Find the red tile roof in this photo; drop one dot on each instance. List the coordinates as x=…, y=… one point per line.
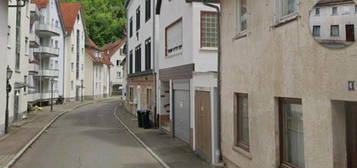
x=70, y=11
x=40, y=3
x=111, y=48
x=90, y=43
x=91, y=54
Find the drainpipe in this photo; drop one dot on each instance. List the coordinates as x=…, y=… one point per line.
x=217, y=8
x=156, y=124
x=18, y=5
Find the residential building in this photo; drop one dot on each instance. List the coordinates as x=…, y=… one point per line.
x=74, y=55
x=124, y=65
x=116, y=52
x=96, y=72
x=140, y=48
x=332, y=22
x=3, y=64
x=46, y=52
x=187, y=62
x=287, y=101
x=18, y=56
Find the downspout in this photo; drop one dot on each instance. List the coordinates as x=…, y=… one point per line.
x=154, y=64
x=218, y=77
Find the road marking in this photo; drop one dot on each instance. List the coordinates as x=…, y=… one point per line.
x=139, y=140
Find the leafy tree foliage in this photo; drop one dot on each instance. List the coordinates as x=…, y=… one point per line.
x=105, y=19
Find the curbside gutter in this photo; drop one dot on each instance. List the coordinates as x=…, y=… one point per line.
x=152, y=153
x=33, y=140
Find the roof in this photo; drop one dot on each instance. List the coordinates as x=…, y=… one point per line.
x=326, y=2
x=90, y=43
x=111, y=48
x=40, y=3
x=91, y=54
x=70, y=11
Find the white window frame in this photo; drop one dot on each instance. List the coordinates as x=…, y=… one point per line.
x=239, y=30
x=280, y=17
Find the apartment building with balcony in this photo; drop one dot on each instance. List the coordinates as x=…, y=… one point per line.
x=96, y=72
x=74, y=54
x=140, y=48
x=18, y=54
x=287, y=101
x=47, y=52
x=187, y=62
x=116, y=53
x=3, y=64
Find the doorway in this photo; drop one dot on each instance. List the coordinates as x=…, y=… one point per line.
x=351, y=134
x=182, y=114
x=77, y=93
x=350, y=32
x=203, y=124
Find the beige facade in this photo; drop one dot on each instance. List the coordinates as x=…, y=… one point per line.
x=277, y=57
x=3, y=44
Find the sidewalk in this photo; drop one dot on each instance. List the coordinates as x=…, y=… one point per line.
x=24, y=131
x=173, y=152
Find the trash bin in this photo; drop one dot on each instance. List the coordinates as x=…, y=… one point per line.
x=146, y=119
x=140, y=116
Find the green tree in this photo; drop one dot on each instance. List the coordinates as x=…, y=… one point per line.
x=105, y=19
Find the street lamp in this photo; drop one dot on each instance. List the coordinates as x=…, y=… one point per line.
x=8, y=90
x=52, y=81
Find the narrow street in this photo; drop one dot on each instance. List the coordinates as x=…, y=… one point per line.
x=88, y=137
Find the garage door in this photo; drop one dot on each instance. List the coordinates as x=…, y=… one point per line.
x=182, y=114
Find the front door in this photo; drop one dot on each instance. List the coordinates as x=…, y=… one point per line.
x=351, y=133
x=77, y=93
x=203, y=124
x=182, y=115
x=350, y=33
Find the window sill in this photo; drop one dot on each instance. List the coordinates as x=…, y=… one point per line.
x=242, y=152
x=209, y=49
x=240, y=35
x=286, y=19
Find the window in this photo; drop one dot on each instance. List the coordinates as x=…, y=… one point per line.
x=316, y=31
x=25, y=81
x=334, y=10
x=209, y=35
x=147, y=10
x=56, y=44
x=72, y=85
x=335, y=30
x=289, y=7
x=8, y=35
x=131, y=27
x=72, y=66
x=138, y=18
x=291, y=133
x=130, y=62
x=242, y=15
x=241, y=121
x=56, y=23
x=118, y=62
x=148, y=54
x=355, y=8
x=78, y=17
x=118, y=75
x=173, y=40
x=26, y=45
x=138, y=59
x=317, y=11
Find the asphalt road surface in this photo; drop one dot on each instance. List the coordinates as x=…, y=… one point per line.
x=89, y=137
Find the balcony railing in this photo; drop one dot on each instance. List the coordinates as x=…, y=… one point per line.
x=46, y=29
x=34, y=40
x=47, y=51
x=48, y=73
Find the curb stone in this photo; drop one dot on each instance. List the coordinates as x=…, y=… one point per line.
x=33, y=140
x=152, y=153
